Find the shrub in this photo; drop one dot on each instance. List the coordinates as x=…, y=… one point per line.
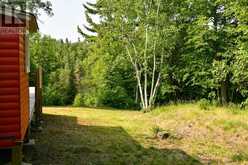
x=244, y=104
x=204, y=104
x=91, y=100
x=78, y=101
x=215, y=103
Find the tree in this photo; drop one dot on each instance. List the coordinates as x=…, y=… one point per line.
x=152, y=43
x=61, y=62
x=148, y=52
x=213, y=34
x=237, y=11
x=144, y=33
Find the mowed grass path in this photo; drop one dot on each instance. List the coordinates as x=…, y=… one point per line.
x=98, y=136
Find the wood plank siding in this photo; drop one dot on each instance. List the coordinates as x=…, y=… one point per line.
x=9, y=88
x=14, y=93
x=24, y=88
x=14, y=80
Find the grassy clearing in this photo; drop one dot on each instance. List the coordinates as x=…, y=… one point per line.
x=98, y=136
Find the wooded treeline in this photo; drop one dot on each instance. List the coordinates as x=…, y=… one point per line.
x=150, y=52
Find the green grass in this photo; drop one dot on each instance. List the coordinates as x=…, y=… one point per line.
x=101, y=136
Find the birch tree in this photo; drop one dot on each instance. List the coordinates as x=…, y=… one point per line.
x=150, y=42
x=146, y=30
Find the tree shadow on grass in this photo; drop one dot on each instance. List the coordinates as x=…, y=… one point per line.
x=69, y=140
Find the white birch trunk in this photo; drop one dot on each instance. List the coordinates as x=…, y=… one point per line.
x=145, y=70
x=147, y=101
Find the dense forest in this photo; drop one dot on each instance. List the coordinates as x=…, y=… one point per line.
x=144, y=53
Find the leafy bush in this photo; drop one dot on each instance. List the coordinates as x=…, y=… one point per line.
x=204, y=104
x=91, y=100
x=78, y=101
x=244, y=104
x=215, y=103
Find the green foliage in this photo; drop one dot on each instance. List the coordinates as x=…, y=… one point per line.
x=61, y=88
x=204, y=104
x=61, y=63
x=199, y=50
x=78, y=101
x=244, y=104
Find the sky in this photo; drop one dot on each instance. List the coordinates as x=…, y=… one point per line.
x=68, y=14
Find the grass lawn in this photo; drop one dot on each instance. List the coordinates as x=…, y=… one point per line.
x=99, y=136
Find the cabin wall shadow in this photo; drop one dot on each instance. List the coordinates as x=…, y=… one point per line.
x=69, y=140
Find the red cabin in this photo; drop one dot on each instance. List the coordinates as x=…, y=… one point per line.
x=14, y=81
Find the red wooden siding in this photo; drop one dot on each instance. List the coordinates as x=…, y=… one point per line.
x=14, y=86
x=24, y=88
x=9, y=88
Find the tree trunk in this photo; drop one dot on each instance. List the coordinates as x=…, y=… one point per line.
x=224, y=93
x=137, y=94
